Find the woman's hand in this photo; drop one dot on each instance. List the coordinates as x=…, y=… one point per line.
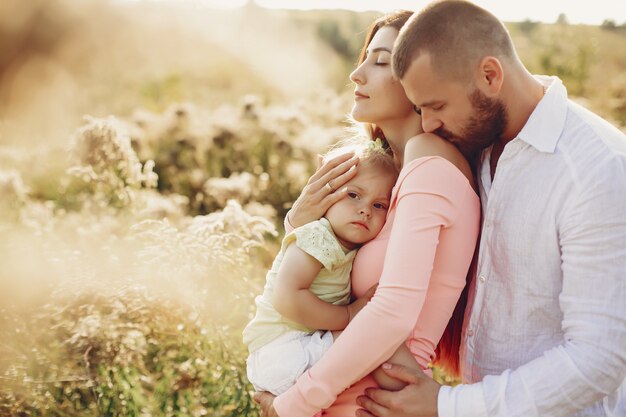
x=323, y=189
x=266, y=401
x=360, y=302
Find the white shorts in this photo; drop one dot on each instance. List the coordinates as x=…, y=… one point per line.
x=276, y=366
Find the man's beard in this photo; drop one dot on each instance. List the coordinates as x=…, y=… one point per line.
x=482, y=129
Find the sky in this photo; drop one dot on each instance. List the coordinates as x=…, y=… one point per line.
x=576, y=11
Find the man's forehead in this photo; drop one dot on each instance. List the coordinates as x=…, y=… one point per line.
x=420, y=77
x=424, y=83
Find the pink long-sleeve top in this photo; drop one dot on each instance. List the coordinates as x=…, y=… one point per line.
x=420, y=259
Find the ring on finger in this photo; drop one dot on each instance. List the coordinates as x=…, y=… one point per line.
x=329, y=187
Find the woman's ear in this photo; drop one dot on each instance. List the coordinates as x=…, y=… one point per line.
x=490, y=76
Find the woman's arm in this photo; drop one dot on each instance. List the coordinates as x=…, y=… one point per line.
x=430, y=197
x=293, y=299
x=316, y=198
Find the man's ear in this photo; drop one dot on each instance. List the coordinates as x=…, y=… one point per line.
x=490, y=76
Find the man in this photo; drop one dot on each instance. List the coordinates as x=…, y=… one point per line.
x=545, y=328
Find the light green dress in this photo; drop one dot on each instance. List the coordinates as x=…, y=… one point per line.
x=332, y=284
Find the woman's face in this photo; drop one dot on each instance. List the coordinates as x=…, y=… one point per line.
x=378, y=96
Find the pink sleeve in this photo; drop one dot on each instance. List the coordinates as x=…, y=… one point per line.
x=431, y=195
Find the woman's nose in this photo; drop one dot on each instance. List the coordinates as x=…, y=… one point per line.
x=357, y=76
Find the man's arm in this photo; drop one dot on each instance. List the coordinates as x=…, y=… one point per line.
x=591, y=362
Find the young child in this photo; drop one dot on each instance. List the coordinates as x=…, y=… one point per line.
x=306, y=297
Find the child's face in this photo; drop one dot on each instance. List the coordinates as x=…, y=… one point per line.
x=358, y=217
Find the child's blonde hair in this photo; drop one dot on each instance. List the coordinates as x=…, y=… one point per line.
x=375, y=153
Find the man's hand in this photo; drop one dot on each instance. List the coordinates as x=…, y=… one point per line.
x=266, y=401
x=418, y=399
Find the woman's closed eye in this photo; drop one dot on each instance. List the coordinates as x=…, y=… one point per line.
x=382, y=58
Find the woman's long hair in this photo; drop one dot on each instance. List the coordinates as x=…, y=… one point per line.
x=448, y=349
x=447, y=353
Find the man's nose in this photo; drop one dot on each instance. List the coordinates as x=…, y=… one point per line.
x=430, y=123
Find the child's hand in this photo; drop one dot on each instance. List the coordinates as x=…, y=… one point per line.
x=359, y=303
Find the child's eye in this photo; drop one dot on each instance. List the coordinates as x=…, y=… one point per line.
x=353, y=195
x=380, y=206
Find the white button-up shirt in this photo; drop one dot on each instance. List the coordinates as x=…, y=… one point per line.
x=545, y=329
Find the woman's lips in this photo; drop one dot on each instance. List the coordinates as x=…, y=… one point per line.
x=358, y=95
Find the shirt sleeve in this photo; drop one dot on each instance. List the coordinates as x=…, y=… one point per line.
x=428, y=199
x=316, y=239
x=590, y=364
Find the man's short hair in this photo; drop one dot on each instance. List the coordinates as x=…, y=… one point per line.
x=456, y=34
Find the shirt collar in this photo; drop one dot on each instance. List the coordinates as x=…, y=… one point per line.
x=545, y=124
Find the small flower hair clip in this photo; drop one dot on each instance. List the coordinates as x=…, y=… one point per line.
x=375, y=145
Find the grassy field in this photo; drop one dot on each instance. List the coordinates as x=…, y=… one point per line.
x=133, y=240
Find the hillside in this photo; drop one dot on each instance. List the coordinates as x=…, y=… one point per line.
x=68, y=58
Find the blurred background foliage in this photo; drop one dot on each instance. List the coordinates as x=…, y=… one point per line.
x=148, y=154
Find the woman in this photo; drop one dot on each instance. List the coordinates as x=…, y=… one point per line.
x=421, y=256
